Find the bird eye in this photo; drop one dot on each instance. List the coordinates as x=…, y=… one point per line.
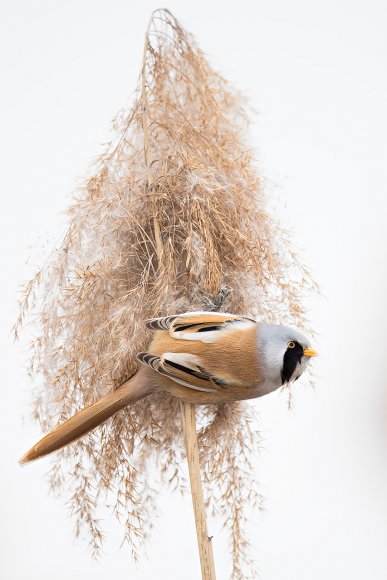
x=291, y=344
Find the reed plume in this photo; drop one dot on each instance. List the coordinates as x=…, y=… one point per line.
x=137, y=248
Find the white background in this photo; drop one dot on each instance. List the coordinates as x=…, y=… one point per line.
x=316, y=74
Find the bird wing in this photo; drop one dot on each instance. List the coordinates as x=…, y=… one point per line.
x=197, y=325
x=195, y=369
x=183, y=368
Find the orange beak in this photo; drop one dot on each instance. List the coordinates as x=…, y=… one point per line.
x=310, y=352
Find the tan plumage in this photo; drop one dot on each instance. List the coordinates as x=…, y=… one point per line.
x=201, y=357
x=228, y=355
x=89, y=418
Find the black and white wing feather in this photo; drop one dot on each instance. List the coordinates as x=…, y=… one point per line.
x=180, y=367
x=196, y=325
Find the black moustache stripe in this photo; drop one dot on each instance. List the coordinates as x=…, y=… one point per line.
x=292, y=357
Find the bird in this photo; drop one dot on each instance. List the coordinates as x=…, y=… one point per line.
x=198, y=357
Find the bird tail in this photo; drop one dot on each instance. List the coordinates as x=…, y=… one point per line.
x=87, y=419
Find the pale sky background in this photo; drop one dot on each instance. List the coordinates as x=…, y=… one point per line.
x=316, y=74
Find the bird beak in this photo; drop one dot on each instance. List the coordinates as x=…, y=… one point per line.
x=310, y=352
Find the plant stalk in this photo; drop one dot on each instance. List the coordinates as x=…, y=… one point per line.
x=187, y=409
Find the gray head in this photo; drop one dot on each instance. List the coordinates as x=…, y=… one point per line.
x=285, y=353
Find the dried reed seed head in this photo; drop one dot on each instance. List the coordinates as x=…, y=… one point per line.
x=197, y=184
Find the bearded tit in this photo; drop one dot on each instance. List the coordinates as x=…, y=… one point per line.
x=199, y=357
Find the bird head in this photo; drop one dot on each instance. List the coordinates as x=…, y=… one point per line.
x=285, y=353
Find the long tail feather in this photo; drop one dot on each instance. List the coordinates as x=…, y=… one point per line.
x=87, y=419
